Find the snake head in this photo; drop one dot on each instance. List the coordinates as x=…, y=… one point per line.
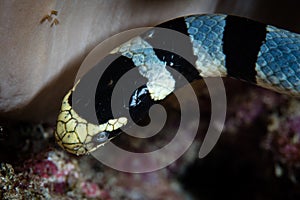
x=77, y=136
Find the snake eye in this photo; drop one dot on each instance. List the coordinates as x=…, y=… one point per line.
x=101, y=137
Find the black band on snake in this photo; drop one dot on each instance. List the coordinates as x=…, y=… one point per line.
x=218, y=46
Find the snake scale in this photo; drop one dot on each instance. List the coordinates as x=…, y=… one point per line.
x=219, y=46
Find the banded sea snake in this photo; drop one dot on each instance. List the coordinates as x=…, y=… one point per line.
x=219, y=45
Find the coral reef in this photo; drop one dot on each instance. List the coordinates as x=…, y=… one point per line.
x=283, y=140
x=49, y=175
x=259, y=149
x=55, y=174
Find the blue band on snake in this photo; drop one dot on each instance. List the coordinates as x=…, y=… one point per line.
x=218, y=46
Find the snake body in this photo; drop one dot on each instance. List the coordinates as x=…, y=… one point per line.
x=218, y=46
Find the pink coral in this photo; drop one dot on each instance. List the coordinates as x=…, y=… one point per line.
x=91, y=190
x=45, y=168
x=244, y=110
x=287, y=141
x=283, y=138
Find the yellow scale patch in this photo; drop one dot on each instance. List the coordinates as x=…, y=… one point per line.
x=75, y=134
